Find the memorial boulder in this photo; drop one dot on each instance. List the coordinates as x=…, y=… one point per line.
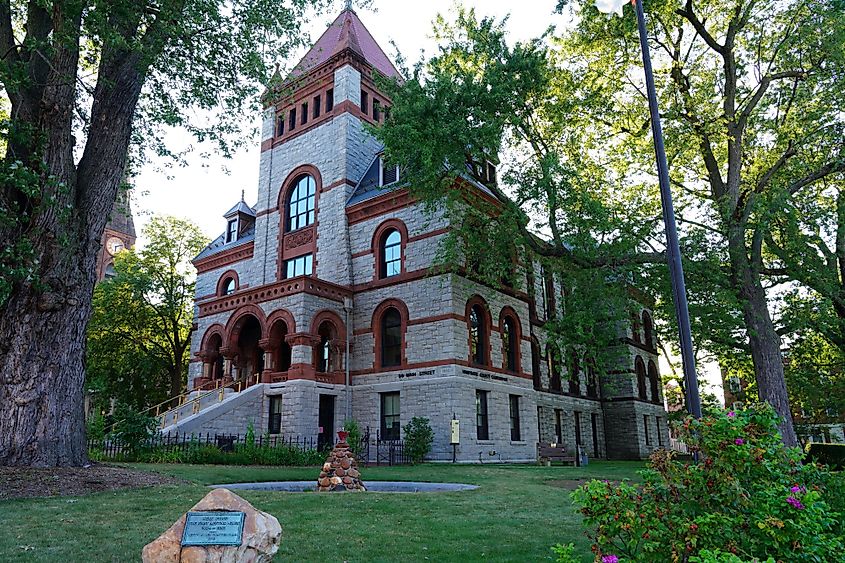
x=217, y=533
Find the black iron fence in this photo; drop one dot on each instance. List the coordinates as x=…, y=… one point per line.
x=370, y=450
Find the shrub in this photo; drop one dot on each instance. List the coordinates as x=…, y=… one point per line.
x=418, y=438
x=95, y=426
x=355, y=436
x=133, y=430
x=749, y=498
x=832, y=455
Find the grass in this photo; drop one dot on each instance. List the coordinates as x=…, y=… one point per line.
x=517, y=514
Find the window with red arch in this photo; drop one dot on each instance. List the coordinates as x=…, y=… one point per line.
x=300, y=205
x=228, y=283
x=478, y=323
x=510, y=332
x=389, y=242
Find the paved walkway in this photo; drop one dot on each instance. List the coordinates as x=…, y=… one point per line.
x=372, y=486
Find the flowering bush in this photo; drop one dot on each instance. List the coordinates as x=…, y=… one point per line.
x=749, y=498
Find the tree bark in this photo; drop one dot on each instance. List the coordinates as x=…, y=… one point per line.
x=763, y=339
x=43, y=323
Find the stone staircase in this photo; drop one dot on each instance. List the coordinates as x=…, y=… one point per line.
x=206, y=414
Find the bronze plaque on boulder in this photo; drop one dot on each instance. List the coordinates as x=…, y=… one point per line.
x=213, y=528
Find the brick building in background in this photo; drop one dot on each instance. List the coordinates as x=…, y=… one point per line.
x=118, y=234
x=330, y=271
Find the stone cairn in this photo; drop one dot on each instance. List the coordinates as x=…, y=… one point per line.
x=340, y=472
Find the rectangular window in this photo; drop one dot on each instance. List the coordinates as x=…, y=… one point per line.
x=292, y=119
x=577, y=428
x=389, y=173
x=482, y=429
x=280, y=125
x=364, y=102
x=329, y=99
x=232, y=230
x=376, y=110
x=275, y=426
x=657, y=422
x=316, y=106
x=304, y=117
x=299, y=266
x=390, y=416
x=559, y=426
x=645, y=426
x=516, y=435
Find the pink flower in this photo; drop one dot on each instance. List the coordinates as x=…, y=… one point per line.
x=732, y=414
x=794, y=502
x=739, y=442
x=609, y=559
x=797, y=489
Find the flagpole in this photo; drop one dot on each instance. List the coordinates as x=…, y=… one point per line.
x=676, y=268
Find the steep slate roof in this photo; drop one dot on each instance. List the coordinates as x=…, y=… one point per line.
x=240, y=207
x=346, y=31
x=219, y=243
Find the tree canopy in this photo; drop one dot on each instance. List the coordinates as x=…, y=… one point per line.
x=139, y=335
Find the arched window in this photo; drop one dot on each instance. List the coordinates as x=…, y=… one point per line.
x=509, y=344
x=477, y=335
x=110, y=272
x=635, y=328
x=391, y=338
x=554, y=370
x=641, y=386
x=391, y=254
x=654, y=380
x=648, y=330
x=324, y=351
x=300, y=211
x=535, y=363
x=228, y=286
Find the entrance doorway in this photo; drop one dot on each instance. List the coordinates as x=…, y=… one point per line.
x=325, y=436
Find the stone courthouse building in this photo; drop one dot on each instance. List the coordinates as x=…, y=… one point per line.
x=328, y=276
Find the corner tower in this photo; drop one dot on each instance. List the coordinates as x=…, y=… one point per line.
x=314, y=126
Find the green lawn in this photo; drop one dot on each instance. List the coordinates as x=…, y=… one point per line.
x=516, y=515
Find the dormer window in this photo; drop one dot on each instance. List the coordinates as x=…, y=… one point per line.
x=489, y=172
x=388, y=173
x=232, y=231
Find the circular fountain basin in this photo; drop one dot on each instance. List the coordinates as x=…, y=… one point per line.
x=372, y=486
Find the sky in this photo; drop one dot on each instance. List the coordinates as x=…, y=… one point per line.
x=206, y=188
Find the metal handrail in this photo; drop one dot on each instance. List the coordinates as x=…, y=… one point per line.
x=197, y=401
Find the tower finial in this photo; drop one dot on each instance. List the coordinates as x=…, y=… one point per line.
x=348, y=4
x=242, y=195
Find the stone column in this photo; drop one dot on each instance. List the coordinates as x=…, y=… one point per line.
x=264, y=344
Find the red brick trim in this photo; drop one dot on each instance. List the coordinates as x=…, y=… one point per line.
x=418, y=321
x=377, y=243
x=281, y=315
x=226, y=275
x=206, y=351
x=301, y=284
x=377, y=331
x=331, y=316
x=508, y=312
x=235, y=323
x=379, y=205
x=485, y=324
x=224, y=258
x=438, y=363
x=338, y=342
x=414, y=238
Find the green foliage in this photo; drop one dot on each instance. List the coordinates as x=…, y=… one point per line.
x=244, y=454
x=565, y=553
x=749, y=497
x=355, y=436
x=418, y=438
x=132, y=430
x=96, y=426
x=140, y=328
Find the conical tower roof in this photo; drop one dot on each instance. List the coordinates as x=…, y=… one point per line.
x=346, y=32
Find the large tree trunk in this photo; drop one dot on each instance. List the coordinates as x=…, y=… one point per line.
x=42, y=324
x=763, y=339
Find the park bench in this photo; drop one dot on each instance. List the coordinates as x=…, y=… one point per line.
x=553, y=452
